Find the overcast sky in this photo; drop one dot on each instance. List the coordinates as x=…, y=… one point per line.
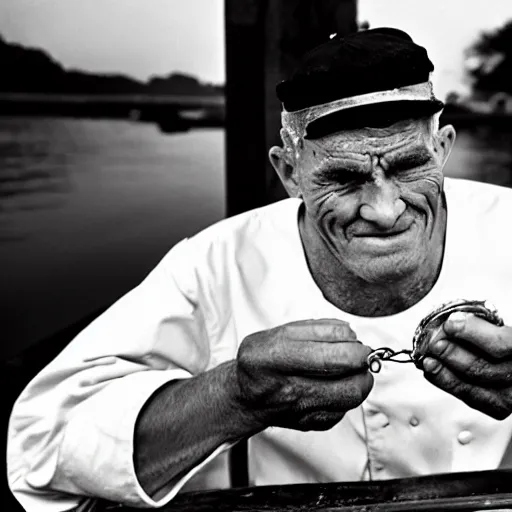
x=146, y=37
x=137, y=37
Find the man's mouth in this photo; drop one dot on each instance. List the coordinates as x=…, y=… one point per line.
x=385, y=240
x=383, y=234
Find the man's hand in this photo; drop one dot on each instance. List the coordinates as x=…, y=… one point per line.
x=303, y=375
x=472, y=360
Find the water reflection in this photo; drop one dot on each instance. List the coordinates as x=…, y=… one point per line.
x=33, y=168
x=88, y=207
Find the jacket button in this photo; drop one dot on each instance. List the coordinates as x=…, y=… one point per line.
x=414, y=422
x=465, y=437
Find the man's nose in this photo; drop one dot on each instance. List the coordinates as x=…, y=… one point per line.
x=381, y=203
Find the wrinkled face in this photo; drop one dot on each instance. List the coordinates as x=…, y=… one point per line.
x=374, y=196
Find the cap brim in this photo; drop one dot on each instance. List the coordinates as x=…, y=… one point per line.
x=377, y=115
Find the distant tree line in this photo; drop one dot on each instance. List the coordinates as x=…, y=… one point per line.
x=490, y=61
x=29, y=70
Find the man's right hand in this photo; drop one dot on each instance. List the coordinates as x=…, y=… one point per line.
x=303, y=375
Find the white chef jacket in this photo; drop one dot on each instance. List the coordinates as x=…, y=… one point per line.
x=71, y=430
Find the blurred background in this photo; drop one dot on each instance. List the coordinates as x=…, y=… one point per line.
x=128, y=125
x=97, y=182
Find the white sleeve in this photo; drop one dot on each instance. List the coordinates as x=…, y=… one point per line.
x=71, y=431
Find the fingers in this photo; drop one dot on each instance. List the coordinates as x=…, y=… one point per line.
x=491, y=402
x=323, y=403
x=340, y=395
x=329, y=348
x=489, y=338
x=355, y=389
x=323, y=348
x=470, y=365
x=472, y=360
x=325, y=329
x=320, y=359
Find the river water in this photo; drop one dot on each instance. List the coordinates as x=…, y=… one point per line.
x=88, y=207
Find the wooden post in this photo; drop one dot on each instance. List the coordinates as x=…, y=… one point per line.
x=264, y=41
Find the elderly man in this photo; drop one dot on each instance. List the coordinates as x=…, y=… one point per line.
x=261, y=326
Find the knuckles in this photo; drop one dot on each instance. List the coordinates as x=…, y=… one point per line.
x=502, y=350
x=293, y=400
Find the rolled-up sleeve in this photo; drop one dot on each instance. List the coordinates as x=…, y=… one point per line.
x=71, y=431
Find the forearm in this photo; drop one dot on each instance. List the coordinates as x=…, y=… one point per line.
x=185, y=422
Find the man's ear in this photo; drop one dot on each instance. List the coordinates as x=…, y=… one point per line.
x=446, y=137
x=285, y=170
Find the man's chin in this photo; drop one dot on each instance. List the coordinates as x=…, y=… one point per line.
x=387, y=269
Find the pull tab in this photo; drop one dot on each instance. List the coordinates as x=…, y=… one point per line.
x=376, y=357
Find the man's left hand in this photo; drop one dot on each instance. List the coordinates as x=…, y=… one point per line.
x=472, y=360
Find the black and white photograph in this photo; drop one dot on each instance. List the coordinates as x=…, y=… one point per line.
x=256, y=255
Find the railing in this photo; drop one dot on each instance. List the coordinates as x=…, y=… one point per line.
x=125, y=99
x=169, y=112
x=486, y=490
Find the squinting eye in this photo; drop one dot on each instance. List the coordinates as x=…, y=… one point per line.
x=409, y=164
x=400, y=169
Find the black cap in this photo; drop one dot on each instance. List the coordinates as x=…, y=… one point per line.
x=368, y=61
